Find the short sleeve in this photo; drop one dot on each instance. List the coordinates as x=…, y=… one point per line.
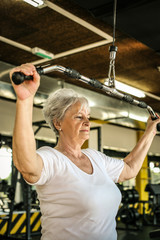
x=48, y=162
x=112, y=166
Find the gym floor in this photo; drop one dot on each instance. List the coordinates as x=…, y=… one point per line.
x=136, y=234
x=130, y=234
x=142, y=234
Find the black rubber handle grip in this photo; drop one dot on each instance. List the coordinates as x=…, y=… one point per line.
x=19, y=77
x=72, y=73
x=158, y=125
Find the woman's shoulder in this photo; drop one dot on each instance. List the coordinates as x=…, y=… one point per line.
x=46, y=149
x=47, y=152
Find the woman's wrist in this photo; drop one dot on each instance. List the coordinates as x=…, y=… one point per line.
x=28, y=100
x=150, y=133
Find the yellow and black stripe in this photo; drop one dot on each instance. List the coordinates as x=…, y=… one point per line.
x=18, y=224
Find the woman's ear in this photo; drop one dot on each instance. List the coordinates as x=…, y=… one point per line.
x=57, y=124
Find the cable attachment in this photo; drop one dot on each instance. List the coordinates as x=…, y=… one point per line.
x=111, y=72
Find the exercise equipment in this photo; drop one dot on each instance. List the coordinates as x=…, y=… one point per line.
x=155, y=234
x=154, y=206
x=22, y=211
x=19, y=77
x=130, y=196
x=4, y=200
x=128, y=213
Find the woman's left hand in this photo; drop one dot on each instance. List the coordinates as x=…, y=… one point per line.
x=152, y=124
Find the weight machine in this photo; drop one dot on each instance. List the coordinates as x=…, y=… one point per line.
x=19, y=77
x=128, y=213
x=154, y=192
x=154, y=206
x=29, y=203
x=12, y=212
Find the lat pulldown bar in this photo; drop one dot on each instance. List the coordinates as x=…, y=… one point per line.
x=19, y=77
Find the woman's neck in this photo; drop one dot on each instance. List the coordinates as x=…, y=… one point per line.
x=69, y=148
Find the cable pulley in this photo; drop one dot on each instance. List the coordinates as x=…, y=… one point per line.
x=112, y=53
x=19, y=77
x=111, y=73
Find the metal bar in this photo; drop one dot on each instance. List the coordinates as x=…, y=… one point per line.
x=108, y=90
x=111, y=91
x=28, y=212
x=74, y=51
x=13, y=185
x=15, y=44
x=95, y=83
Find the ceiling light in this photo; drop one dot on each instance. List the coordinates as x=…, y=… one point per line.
x=137, y=117
x=128, y=89
x=35, y=3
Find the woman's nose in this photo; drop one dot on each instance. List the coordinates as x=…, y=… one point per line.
x=87, y=122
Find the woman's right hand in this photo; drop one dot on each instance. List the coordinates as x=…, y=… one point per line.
x=27, y=88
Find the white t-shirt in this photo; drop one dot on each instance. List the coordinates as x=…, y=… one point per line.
x=76, y=205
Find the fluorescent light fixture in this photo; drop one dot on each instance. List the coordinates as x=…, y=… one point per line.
x=137, y=117
x=91, y=103
x=124, y=113
x=128, y=89
x=34, y=3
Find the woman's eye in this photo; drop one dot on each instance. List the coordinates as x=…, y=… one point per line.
x=80, y=117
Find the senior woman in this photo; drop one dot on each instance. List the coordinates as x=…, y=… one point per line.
x=78, y=196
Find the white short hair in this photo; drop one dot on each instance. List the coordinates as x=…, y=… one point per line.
x=58, y=103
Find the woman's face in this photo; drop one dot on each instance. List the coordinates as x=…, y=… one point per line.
x=75, y=124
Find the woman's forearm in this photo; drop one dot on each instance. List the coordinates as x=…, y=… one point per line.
x=136, y=157
x=134, y=160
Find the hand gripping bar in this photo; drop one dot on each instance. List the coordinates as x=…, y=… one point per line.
x=19, y=77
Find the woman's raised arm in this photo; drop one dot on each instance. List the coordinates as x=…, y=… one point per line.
x=134, y=160
x=24, y=147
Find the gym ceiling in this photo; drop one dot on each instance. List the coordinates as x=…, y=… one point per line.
x=85, y=49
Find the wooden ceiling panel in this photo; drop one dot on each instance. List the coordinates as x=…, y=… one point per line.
x=12, y=55
x=136, y=64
